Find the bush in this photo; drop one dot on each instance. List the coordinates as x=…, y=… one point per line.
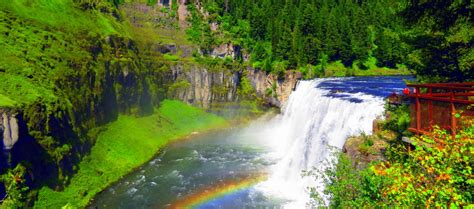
x=279, y=68
x=398, y=119
x=308, y=72
x=347, y=187
x=366, y=144
x=178, y=85
x=245, y=89
x=257, y=65
x=437, y=173
x=16, y=190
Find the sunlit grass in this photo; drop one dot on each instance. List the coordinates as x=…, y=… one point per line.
x=124, y=145
x=338, y=69
x=6, y=102
x=62, y=15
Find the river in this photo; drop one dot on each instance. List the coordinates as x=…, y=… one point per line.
x=259, y=165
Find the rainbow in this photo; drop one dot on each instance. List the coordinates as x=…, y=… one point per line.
x=213, y=192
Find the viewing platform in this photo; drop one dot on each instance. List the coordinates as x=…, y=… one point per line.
x=440, y=104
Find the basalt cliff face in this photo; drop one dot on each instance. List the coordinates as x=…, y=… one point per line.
x=203, y=87
x=275, y=91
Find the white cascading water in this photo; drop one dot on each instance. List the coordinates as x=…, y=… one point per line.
x=301, y=137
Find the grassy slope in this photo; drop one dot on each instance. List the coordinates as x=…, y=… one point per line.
x=6, y=102
x=40, y=39
x=124, y=145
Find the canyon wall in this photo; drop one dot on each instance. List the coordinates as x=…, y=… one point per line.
x=203, y=87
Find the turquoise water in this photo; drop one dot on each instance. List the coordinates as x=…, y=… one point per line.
x=188, y=166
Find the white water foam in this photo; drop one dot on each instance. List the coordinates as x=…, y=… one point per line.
x=301, y=136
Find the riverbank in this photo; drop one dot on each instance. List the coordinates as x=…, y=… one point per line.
x=124, y=145
x=337, y=69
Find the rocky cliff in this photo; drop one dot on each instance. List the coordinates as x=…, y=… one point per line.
x=201, y=86
x=275, y=91
x=364, y=149
x=8, y=129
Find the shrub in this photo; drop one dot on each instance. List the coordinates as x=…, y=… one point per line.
x=398, y=119
x=171, y=57
x=346, y=187
x=437, y=173
x=366, y=144
x=16, y=190
x=245, y=89
x=279, y=68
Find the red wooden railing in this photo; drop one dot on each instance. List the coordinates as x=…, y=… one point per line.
x=438, y=104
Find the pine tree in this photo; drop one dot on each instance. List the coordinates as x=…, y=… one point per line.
x=443, y=38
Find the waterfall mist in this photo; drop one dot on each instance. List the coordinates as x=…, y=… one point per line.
x=313, y=121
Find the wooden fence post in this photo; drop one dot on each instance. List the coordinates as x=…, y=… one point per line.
x=418, y=110
x=453, y=115
x=430, y=108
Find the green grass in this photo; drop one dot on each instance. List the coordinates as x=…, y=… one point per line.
x=171, y=57
x=41, y=40
x=147, y=29
x=63, y=15
x=22, y=90
x=6, y=102
x=337, y=69
x=126, y=144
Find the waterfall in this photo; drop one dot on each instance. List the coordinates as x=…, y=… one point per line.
x=313, y=120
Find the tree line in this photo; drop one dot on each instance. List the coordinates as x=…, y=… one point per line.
x=434, y=38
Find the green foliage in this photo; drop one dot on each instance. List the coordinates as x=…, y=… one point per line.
x=217, y=64
x=16, y=190
x=122, y=146
x=366, y=144
x=240, y=33
x=436, y=173
x=45, y=51
x=309, y=72
x=432, y=37
x=261, y=51
x=272, y=91
x=152, y=2
x=178, y=85
x=174, y=5
x=442, y=36
x=370, y=63
x=301, y=32
x=171, y=57
x=200, y=31
x=348, y=187
x=245, y=89
x=321, y=67
x=338, y=69
x=398, y=119
x=279, y=68
x=6, y=102
x=64, y=16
